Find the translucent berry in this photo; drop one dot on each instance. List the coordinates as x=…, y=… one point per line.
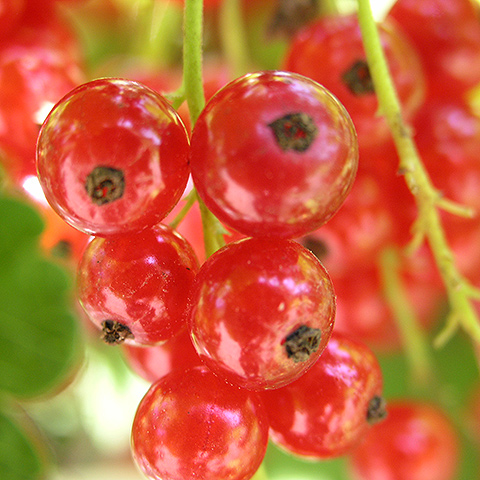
x=273, y=154
x=194, y=426
x=262, y=311
x=112, y=157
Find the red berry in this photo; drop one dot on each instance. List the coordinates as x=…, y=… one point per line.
x=446, y=33
x=193, y=426
x=135, y=286
x=330, y=51
x=273, y=154
x=112, y=157
x=37, y=67
x=327, y=411
x=416, y=441
x=262, y=312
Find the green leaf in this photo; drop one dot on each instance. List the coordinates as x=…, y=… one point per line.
x=19, y=457
x=20, y=226
x=39, y=335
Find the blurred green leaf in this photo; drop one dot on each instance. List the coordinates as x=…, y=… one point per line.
x=20, y=226
x=19, y=457
x=39, y=337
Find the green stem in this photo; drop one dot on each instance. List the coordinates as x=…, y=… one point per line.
x=234, y=38
x=414, y=341
x=426, y=196
x=193, y=88
x=190, y=199
x=192, y=57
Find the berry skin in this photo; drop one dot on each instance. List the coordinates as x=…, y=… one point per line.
x=416, y=441
x=330, y=51
x=262, y=311
x=327, y=411
x=135, y=286
x=112, y=157
x=273, y=154
x=193, y=426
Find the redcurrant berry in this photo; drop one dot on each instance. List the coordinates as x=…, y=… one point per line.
x=446, y=33
x=330, y=51
x=135, y=286
x=416, y=441
x=112, y=157
x=327, y=411
x=262, y=312
x=273, y=154
x=194, y=426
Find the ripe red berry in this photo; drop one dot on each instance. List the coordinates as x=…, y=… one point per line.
x=330, y=51
x=446, y=33
x=135, y=286
x=273, y=154
x=416, y=441
x=193, y=426
x=262, y=312
x=112, y=157
x=327, y=411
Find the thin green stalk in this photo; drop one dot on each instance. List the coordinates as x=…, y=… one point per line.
x=192, y=57
x=414, y=341
x=193, y=89
x=428, y=199
x=190, y=200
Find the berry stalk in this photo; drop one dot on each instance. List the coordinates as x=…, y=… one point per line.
x=428, y=199
x=193, y=87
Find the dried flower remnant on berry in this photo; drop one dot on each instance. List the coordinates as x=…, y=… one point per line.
x=294, y=131
x=358, y=79
x=105, y=185
x=114, y=333
x=377, y=410
x=304, y=341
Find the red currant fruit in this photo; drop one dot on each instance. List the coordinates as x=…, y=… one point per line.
x=262, y=312
x=446, y=33
x=415, y=442
x=330, y=51
x=273, y=154
x=135, y=286
x=37, y=67
x=193, y=426
x=327, y=411
x=112, y=156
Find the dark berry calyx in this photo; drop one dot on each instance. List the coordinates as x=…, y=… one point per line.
x=114, y=333
x=105, y=185
x=377, y=410
x=304, y=341
x=294, y=131
x=358, y=79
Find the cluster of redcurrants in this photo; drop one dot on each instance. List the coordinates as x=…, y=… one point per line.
x=273, y=156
